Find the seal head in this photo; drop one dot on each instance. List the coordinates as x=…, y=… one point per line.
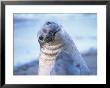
x=48, y=32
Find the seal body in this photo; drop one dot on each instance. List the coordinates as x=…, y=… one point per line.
x=58, y=53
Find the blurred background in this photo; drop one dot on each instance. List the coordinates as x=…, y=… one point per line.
x=81, y=27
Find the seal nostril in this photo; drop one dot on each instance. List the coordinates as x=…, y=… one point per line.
x=41, y=38
x=48, y=23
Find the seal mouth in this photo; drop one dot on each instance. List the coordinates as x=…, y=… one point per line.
x=48, y=38
x=51, y=36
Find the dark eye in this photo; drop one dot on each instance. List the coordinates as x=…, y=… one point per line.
x=41, y=38
x=44, y=30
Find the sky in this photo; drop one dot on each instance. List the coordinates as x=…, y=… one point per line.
x=81, y=27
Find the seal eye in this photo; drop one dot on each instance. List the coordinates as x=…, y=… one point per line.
x=41, y=38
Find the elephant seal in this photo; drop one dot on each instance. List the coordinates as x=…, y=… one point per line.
x=58, y=53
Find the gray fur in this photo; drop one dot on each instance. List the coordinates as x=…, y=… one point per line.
x=64, y=65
